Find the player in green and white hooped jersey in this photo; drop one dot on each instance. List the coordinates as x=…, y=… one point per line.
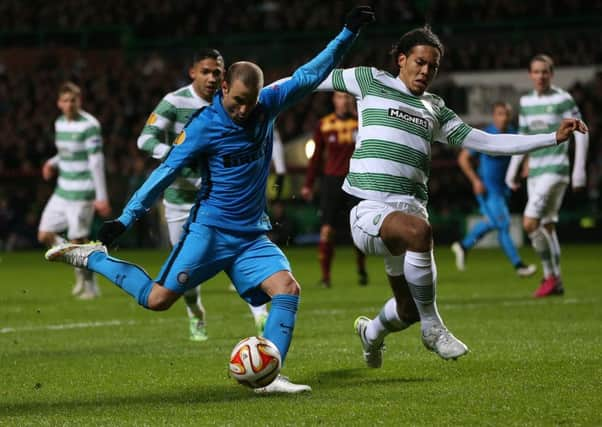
x=389, y=170
x=540, y=111
x=81, y=188
x=162, y=127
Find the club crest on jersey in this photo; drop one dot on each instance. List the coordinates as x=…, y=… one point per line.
x=400, y=114
x=180, y=139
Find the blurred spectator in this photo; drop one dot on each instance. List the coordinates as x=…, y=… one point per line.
x=122, y=83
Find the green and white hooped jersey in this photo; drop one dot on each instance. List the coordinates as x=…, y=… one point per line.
x=543, y=113
x=392, y=155
x=75, y=141
x=160, y=131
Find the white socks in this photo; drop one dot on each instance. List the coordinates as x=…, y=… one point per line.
x=420, y=272
x=386, y=322
x=258, y=311
x=194, y=307
x=541, y=240
x=555, y=251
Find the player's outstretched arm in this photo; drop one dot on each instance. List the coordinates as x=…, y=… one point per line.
x=307, y=77
x=567, y=127
x=139, y=204
x=518, y=144
x=186, y=147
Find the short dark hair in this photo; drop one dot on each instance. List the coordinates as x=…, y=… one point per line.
x=205, y=53
x=542, y=57
x=422, y=36
x=247, y=72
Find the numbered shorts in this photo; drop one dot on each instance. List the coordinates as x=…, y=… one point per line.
x=176, y=217
x=204, y=251
x=545, y=197
x=367, y=217
x=60, y=215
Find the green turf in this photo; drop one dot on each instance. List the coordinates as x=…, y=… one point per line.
x=109, y=362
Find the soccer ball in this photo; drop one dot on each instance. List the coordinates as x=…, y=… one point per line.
x=255, y=362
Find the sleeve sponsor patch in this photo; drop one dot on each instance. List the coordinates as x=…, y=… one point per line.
x=151, y=119
x=180, y=139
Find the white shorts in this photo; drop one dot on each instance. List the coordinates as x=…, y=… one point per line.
x=60, y=215
x=176, y=217
x=367, y=217
x=545, y=197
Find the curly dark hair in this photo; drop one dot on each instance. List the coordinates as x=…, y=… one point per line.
x=422, y=36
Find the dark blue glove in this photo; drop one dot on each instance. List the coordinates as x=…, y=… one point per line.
x=110, y=231
x=358, y=17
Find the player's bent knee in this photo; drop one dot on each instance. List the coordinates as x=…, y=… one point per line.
x=290, y=287
x=160, y=298
x=530, y=225
x=421, y=236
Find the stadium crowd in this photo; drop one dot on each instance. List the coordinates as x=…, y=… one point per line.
x=120, y=87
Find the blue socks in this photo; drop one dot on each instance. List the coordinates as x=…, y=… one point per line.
x=281, y=322
x=507, y=245
x=128, y=277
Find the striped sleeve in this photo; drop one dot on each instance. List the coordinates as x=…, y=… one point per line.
x=569, y=108
x=152, y=139
x=93, y=139
x=452, y=130
x=354, y=81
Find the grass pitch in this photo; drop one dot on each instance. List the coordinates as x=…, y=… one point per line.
x=110, y=362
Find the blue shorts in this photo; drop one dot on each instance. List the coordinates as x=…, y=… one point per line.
x=203, y=251
x=495, y=208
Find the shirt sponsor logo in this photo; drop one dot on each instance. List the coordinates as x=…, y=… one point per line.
x=400, y=114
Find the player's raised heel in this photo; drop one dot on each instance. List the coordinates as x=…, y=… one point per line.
x=373, y=354
x=282, y=385
x=460, y=254
x=73, y=253
x=439, y=340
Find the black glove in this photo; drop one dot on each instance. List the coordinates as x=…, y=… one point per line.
x=358, y=17
x=110, y=231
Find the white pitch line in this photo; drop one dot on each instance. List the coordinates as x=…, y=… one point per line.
x=319, y=312
x=79, y=325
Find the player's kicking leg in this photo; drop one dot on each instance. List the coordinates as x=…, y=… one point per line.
x=263, y=262
x=397, y=232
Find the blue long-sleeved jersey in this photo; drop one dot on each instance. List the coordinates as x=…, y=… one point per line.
x=492, y=169
x=235, y=158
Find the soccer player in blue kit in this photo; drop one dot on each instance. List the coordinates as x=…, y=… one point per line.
x=226, y=230
x=492, y=193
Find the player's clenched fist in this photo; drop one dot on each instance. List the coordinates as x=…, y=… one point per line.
x=358, y=17
x=567, y=127
x=110, y=231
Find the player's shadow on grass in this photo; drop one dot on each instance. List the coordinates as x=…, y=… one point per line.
x=167, y=399
x=338, y=378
